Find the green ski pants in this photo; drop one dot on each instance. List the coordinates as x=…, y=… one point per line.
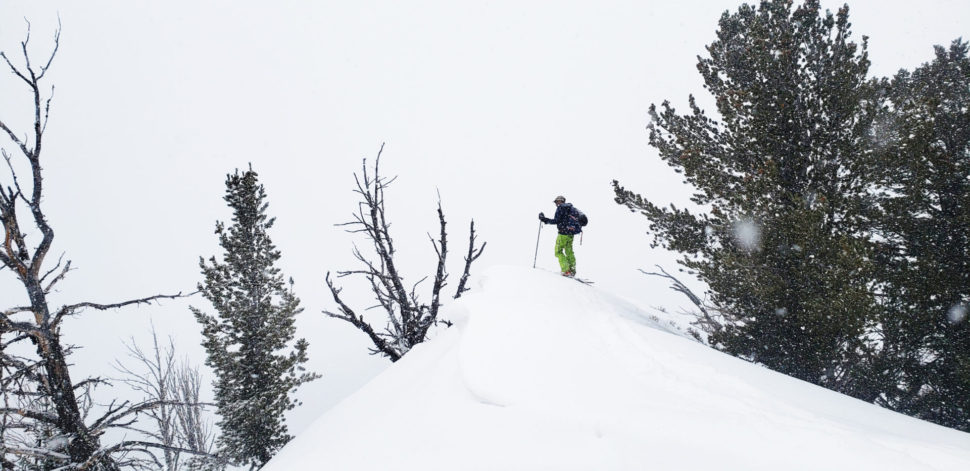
x=564, y=252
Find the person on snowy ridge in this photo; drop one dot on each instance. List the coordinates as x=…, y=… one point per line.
x=569, y=224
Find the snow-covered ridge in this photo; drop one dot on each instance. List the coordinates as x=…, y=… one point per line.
x=544, y=373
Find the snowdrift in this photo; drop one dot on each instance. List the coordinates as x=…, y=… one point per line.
x=540, y=372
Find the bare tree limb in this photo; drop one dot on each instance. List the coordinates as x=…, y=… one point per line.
x=71, y=309
x=708, y=323
x=57, y=45
x=440, y=277
x=114, y=418
x=16, y=182
x=133, y=445
x=138, y=446
x=472, y=255
x=7, y=344
x=408, y=319
x=105, y=307
x=60, y=276
x=30, y=414
x=192, y=429
x=15, y=310
x=91, y=382
x=35, y=453
x=15, y=70
x=347, y=314
x=22, y=327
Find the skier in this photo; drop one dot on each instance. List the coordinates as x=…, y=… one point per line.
x=568, y=221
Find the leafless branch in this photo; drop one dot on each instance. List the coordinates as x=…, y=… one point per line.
x=192, y=429
x=408, y=319
x=35, y=453
x=57, y=45
x=21, y=327
x=105, y=307
x=13, y=196
x=472, y=255
x=136, y=446
x=141, y=445
x=15, y=310
x=14, y=68
x=8, y=343
x=91, y=382
x=347, y=314
x=440, y=277
x=31, y=414
x=71, y=309
x=60, y=260
x=705, y=320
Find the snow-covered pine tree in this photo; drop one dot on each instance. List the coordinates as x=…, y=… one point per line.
x=248, y=340
x=924, y=170
x=779, y=240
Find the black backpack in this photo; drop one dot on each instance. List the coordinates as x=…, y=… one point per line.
x=575, y=215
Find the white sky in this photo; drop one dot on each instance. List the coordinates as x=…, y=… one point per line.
x=500, y=105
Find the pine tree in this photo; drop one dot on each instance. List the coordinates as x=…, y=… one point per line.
x=924, y=169
x=779, y=240
x=247, y=340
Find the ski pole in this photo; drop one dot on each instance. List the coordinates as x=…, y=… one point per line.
x=537, y=245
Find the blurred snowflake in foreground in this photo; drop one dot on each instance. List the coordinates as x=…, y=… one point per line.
x=748, y=235
x=957, y=313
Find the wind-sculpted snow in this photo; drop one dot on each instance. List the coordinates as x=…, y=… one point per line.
x=543, y=373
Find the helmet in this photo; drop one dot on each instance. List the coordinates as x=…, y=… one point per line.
x=559, y=199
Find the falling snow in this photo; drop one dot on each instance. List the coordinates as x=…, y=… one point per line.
x=582, y=380
x=957, y=313
x=747, y=233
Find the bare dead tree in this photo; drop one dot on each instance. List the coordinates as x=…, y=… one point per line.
x=45, y=396
x=177, y=421
x=409, y=319
x=153, y=385
x=192, y=429
x=705, y=321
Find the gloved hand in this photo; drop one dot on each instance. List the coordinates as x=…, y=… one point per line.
x=542, y=216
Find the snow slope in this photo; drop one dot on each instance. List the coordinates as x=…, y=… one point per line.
x=544, y=373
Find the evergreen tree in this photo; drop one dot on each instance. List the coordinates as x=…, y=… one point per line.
x=779, y=240
x=247, y=340
x=924, y=169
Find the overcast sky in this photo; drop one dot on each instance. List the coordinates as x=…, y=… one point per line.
x=497, y=105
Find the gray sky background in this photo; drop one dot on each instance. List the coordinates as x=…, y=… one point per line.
x=498, y=105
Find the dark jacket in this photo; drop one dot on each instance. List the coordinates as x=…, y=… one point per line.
x=566, y=224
